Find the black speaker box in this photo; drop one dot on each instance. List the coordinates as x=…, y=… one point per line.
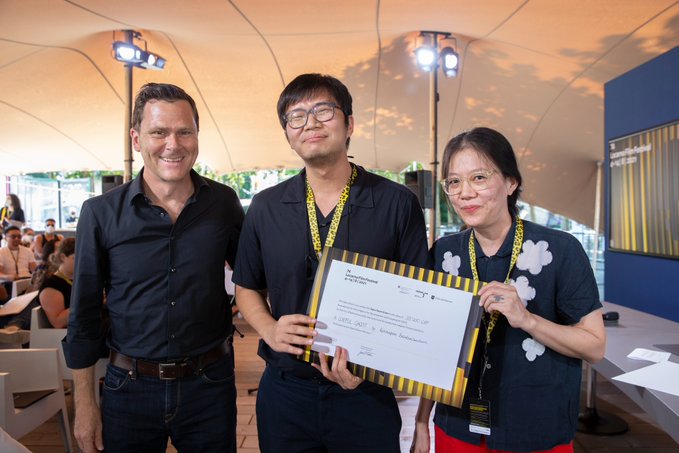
x=108, y=182
x=420, y=183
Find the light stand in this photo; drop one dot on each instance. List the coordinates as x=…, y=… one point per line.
x=130, y=54
x=428, y=56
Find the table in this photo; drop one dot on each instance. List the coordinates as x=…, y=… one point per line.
x=636, y=329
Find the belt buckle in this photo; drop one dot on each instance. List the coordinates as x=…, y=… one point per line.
x=162, y=371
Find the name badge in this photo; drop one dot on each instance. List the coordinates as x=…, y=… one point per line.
x=479, y=416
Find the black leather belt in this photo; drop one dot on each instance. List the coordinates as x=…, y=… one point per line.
x=176, y=369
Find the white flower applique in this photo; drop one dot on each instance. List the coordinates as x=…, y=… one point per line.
x=523, y=288
x=533, y=349
x=534, y=256
x=451, y=264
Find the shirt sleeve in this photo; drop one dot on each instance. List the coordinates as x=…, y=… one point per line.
x=84, y=340
x=237, y=211
x=249, y=269
x=577, y=291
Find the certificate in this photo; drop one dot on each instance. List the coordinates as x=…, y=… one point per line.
x=408, y=328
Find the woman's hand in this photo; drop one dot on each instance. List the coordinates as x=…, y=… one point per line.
x=503, y=298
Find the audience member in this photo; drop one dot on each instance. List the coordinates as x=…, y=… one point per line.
x=11, y=213
x=48, y=236
x=27, y=237
x=16, y=261
x=46, y=266
x=55, y=288
x=14, y=329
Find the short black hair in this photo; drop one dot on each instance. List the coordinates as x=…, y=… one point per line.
x=306, y=86
x=159, y=92
x=11, y=228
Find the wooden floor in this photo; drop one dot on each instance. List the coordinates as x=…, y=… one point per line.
x=643, y=437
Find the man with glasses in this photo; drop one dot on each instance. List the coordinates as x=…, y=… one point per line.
x=330, y=202
x=16, y=262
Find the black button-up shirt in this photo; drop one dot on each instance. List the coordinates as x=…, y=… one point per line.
x=164, y=282
x=381, y=218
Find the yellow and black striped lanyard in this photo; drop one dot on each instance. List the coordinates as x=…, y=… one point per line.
x=334, y=224
x=516, y=250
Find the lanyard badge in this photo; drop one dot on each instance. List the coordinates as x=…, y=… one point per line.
x=479, y=409
x=334, y=224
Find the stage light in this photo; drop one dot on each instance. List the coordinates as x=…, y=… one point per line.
x=123, y=51
x=136, y=56
x=426, y=57
x=450, y=61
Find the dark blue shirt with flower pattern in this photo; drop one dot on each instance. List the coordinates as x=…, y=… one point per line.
x=533, y=391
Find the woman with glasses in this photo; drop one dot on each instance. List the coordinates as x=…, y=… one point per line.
x=542, y=314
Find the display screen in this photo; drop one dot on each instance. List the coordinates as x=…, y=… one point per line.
x=644, y=192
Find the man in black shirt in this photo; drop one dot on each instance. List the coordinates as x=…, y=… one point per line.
x=299, y=407
x=156, y=247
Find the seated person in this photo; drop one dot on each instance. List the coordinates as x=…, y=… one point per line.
x=47, y=265
x=48, y=236
x=27, y=237
x=11, y=213
x=16, y=261
x=14, y=329
x=55, y=289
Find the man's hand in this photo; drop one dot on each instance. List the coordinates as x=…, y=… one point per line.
x=339, y=373
x=289, y=333
x=421, y=441
x=87, y=428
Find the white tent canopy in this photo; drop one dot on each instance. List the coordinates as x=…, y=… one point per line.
x=532, y=69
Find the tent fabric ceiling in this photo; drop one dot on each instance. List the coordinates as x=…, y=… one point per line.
x=534, y=70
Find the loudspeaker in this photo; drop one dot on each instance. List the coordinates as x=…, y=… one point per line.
x=108, y=182
x=420, y=183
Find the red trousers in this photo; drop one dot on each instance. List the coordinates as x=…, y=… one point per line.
x=447, y=444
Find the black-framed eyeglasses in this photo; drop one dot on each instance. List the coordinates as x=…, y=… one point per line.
x=323, y=112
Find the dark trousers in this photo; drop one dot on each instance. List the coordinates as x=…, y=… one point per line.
x=22, y=319
x=197, y=412
x=310, y=416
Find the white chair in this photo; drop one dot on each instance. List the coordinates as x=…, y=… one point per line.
x=20, y=286
x=30, y=370
x=43, y=335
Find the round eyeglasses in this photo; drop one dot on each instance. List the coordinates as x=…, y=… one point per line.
x=323, y=112
x=477, y=181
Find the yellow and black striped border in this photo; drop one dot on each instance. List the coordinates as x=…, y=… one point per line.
x=452, y=396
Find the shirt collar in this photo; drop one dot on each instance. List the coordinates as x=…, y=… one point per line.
x=505, y=249
x=137, y=188
x=361, y=193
